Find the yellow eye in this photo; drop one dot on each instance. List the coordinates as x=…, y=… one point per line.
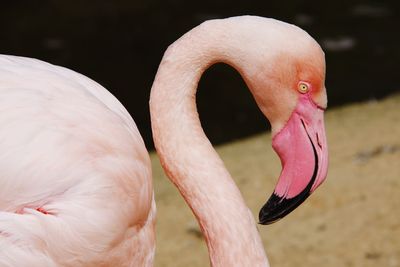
x=303, y=88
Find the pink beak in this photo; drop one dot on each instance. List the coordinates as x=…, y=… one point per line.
x=302, y=148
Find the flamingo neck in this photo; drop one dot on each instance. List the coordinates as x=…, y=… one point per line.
x=188, y=157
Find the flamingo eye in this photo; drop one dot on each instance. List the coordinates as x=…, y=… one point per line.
x=303, y=87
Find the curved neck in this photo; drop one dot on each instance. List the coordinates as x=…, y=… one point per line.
x=186, y=154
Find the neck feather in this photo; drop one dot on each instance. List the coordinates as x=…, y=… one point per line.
x=186, y=154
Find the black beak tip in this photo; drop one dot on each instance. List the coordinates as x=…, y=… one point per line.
x=269, y=213
x=278, y=207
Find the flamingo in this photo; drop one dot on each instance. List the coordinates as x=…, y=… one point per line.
x=284, y=68
x=75, y=180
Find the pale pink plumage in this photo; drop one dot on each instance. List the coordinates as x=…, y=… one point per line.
x=75, y=178
x=69, y=148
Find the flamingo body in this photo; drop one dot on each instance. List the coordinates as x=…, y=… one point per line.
x=75, y=177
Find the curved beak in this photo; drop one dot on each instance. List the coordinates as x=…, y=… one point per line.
x=302, y=149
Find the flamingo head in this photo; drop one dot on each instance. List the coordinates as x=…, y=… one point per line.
x=287, y=81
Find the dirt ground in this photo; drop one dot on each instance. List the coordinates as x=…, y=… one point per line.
x=352, y=220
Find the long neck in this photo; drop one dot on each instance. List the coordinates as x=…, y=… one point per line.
x=187, y=155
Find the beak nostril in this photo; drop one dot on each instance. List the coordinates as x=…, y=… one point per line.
x=318, y=141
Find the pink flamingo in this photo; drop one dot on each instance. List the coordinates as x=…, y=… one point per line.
x=284, y=69
x=75, y=183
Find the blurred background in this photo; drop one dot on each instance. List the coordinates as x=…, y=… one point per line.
x=120, y=44
x=353, y=219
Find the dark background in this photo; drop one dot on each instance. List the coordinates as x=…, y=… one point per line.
x=120, y=44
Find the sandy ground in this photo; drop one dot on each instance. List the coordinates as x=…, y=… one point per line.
x=352, y=220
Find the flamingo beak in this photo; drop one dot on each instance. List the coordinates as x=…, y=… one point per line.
x=302, y=149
